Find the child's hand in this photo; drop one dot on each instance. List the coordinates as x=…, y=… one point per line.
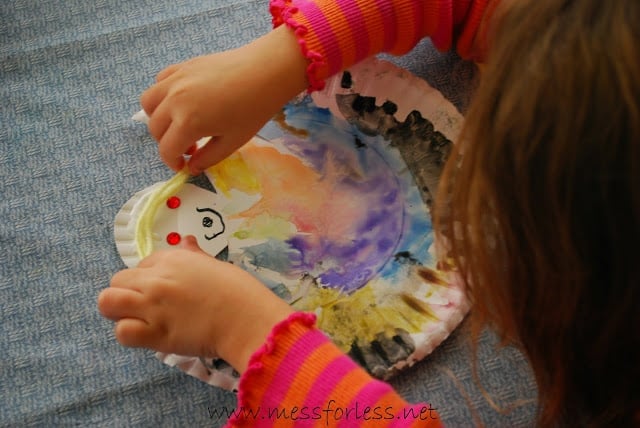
x=186, y=302
x=228, y=96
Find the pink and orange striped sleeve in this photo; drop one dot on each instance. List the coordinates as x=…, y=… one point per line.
x=335, y=34
x=300, y=378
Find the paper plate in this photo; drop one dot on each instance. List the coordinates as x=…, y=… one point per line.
x=193, y=211
x=329, y=207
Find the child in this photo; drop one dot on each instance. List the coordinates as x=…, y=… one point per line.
x=539, y=208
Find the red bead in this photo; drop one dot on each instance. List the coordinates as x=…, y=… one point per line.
x=173, y=238
x=173, y=202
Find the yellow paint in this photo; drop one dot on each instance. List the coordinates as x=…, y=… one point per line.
x=234, y=173
x=363, y=314
x=265, y=226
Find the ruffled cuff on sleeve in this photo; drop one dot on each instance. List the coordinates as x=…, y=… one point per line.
x=283, y=12
x=300, y=375
x=336, y=34
x=263, y=367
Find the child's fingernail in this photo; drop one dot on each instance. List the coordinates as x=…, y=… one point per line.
x=190, y=243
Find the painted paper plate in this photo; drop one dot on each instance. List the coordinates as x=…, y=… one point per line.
x=329, y=207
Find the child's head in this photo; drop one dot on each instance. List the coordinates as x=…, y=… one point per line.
x=546, y=198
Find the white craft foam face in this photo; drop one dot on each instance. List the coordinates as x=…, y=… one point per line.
x=200, y=213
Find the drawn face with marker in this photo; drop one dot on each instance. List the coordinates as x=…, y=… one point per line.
x=194, y=211
x=212, y=220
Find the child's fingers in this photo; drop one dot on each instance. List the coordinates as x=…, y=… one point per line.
x=152, y=97
x=211, y=153
x=176, y=141
x=147, y=262
x=190, y=243
x=118, y=303
x=160, y=121
x=134, y=333
x=168, y=71
x=129, y=279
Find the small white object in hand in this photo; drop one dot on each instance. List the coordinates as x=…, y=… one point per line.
x=141, y=116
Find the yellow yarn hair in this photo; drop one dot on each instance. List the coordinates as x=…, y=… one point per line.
x=144, y=225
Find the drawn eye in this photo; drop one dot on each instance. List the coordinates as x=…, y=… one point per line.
x=214, y=221
x=173, y=238
x=173, y=202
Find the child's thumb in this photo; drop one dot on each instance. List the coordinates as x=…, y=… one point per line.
x=190, y=242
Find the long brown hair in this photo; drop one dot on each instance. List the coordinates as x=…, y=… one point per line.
x=541, y=202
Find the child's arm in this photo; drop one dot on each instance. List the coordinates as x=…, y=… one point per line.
x=299, y=376
x=186, y=302
x=228, y=95
x=231, y=95
x=335, y=34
